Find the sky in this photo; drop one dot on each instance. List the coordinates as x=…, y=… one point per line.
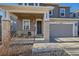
x=73, y=6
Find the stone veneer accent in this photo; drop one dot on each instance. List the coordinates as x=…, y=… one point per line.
x=6, y=38
x=46, y=32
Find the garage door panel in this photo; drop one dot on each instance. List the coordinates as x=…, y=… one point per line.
x=60, y=30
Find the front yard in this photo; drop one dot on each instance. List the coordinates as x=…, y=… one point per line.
x=16, y=50
x=67, y=48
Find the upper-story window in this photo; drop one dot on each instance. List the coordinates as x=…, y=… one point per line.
x=31, y=4
x=36, y=4
x=20, y=3
x=74, y=15
x=62, y=12
x=51, y=13
x=25, y=3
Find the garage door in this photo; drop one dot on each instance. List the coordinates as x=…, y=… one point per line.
x=60, y=30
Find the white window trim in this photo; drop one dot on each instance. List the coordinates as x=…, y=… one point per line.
x=64, y=12
x=23, y=23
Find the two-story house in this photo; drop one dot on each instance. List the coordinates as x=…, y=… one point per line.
x=42, y=20
x=75, y=14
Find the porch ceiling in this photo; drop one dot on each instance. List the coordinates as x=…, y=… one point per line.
x=26, y=9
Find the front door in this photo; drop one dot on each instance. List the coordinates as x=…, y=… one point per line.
x=39, y=27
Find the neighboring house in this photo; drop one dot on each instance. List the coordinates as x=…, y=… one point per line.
x=75, y=14
x=42, y=19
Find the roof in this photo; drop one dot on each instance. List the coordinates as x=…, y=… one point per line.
x=50, y=4
x=27, y=9
x=64, y=6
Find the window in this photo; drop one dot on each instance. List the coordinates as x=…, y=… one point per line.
x=31, y=4
x=74, y=15
x=25, y=3
x=51, y=14
x=26, y=25
x=20, y=3
x=62, y=12
x=36, y=4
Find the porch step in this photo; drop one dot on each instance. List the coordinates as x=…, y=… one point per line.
x=22, y=42
x=39, y=36
x=26, y=40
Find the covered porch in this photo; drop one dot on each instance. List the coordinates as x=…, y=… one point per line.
x=29, y=22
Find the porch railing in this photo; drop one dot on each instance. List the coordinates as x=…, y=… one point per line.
x=25, y=34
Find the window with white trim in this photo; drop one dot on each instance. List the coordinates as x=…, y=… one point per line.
x=26, y=25
x=62, y=12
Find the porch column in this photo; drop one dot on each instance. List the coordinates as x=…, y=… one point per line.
x=46, y=16
x=6, y=38
x=75, y=29
x=46, y=27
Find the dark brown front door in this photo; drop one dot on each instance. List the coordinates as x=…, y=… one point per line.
x=39, y=27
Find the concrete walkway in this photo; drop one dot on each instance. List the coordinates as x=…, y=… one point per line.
x=71, y=49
